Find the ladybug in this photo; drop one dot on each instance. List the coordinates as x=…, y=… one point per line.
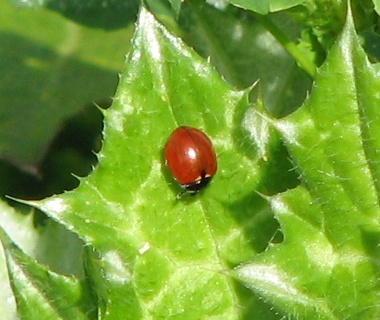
x=191, y=159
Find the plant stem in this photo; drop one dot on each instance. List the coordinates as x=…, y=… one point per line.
x=307, y=65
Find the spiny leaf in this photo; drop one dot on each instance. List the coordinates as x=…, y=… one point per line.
x=42, y=294
x=158, y=256
x=327, y=267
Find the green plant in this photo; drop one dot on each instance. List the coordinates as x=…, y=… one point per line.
x=289, y=226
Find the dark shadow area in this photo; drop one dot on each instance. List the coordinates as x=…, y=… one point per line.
x=262, y=230
x=371, y=44
x=371, y=240
x=243, y=52
x=256, y=219
x=104, y=14
x=277, y=173
x=72, y=152
x=39, y=91
x=254, y=306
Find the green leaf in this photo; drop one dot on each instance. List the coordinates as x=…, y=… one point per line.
x=49, y=243
x=51, y=69
x=266, y=6
x=7, y=302
x=112, y=14
x=322, y=29
x=42, y=294
x=327, y=267
x=157, y=256
x=260, y=6
x=278, y=5
x=377, y=6
x=244, y=51
x=149, y=255
x=176, y=6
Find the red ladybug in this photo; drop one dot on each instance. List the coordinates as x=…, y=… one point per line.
x=191, y=158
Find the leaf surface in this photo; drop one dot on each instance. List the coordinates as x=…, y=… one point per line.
x=43, y=294
x=327, y=267
x=51, y=69
x=156, y=255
